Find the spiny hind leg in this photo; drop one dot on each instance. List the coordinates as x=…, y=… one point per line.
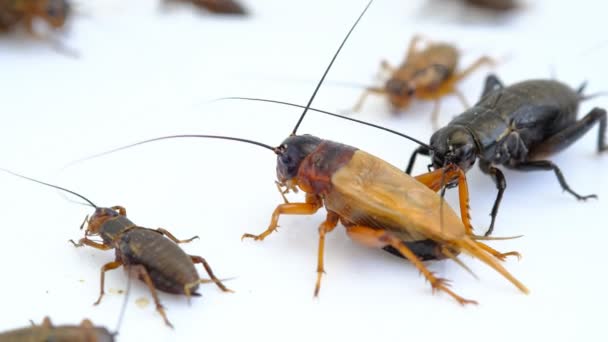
x=327, y=226
x=200, y=260
x=140, y=272
x=546, y=165
x=572, y=133
x=441, y=177
x=381, y=238
x=313, y=203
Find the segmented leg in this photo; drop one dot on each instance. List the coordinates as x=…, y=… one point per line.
x=172, y=237
x=107, y=267
x=501, y=184
x=200, y=260
x=85, y=241
x=363, y=96
x=313, y=203
x=141, y=273
x=485, y=60
x=381, y=238
x=569, y=135
x=433, y=180
x=420, y=150
x=327, y=226
x=545, y=165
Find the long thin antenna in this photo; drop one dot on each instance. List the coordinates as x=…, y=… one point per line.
x=51, y=185
x=174, y=137
x=331, y=114
x=329, y=67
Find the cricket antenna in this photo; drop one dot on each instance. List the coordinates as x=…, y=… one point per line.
x=51, y=185
x=273, y=149
x=295, y=129
x=331, y=114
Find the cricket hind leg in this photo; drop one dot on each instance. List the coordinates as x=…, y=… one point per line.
x=546, y=165
x=200, y=260
x=381, y=238
x=575, y=131
x=140, y=272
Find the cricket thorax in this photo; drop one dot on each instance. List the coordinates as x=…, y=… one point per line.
x=316, y=170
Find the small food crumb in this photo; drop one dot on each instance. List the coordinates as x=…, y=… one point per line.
x=142, y=302
x=116, y=291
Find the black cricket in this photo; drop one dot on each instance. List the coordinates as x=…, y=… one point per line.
x=515, y=126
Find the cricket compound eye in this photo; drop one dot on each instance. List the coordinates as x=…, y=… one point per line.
x=292, y=152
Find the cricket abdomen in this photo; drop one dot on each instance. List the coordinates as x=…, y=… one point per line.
x=169, y=267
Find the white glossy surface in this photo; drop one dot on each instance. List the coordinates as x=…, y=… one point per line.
x=145, y=72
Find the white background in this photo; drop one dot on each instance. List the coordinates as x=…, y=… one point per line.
x=144, y=72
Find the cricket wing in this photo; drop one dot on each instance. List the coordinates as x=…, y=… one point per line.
x=371, y=192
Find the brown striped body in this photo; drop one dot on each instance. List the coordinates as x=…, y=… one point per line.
x=169, y=267
x=85, y=332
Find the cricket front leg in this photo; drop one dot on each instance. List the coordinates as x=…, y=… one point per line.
x=439, y=178
x=327, y=226
x=313, y=203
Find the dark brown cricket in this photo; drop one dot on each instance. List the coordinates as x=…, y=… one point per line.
x=151, y=255
x=85, y=332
